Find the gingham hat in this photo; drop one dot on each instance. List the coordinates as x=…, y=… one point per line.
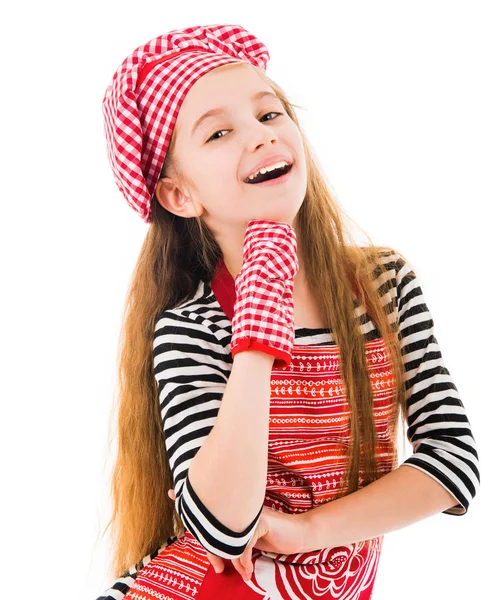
x=142, y=102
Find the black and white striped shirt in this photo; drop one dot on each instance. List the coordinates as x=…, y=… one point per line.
x=192, y=363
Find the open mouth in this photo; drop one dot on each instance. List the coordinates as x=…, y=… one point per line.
x=276, y=174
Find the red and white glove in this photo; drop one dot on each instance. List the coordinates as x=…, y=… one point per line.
x=263, y=309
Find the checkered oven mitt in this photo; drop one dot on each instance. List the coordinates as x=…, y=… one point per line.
x=263, y=309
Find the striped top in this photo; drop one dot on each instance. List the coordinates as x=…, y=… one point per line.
x=192, y=364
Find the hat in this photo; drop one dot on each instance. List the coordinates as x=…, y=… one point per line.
x=142, y=102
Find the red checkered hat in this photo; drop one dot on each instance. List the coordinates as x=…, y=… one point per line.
x=142, y=102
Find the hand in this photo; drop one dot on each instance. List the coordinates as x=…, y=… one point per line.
x=263, y=309
x=276, y=532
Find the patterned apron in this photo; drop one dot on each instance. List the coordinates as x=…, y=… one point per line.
x=309, y=438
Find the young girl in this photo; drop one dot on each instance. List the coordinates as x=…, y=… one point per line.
x=266, y=359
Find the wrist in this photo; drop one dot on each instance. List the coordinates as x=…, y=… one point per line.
x=253, y=356
x=277, y=356
x=307, y=531
x=310, y=529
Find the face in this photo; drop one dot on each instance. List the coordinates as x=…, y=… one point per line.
x=223, y=149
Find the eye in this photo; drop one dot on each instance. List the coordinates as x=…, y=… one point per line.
x=211, y=138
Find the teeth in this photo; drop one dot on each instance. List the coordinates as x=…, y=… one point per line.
x=278, y=165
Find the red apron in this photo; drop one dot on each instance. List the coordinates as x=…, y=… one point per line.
x=308, y=443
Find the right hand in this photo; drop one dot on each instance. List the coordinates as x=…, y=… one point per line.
x=277, y=532
x=263, y=310
x=243, y=564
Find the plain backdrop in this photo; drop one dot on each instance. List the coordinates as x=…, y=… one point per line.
x=401, y=102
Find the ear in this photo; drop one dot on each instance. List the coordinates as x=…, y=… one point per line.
x=175, y=201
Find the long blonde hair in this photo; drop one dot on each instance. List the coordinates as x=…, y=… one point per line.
x=176, y=254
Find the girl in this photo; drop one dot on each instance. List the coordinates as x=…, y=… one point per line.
x=267, y=360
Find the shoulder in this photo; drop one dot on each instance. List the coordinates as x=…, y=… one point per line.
x=197, y=317
x=385, y=263
x=391, y=259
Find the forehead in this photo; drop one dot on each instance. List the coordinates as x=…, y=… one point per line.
x=226, y=88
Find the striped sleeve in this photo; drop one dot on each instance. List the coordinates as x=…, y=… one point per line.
x=121, y=586
x=437, y=425
x=191, y=368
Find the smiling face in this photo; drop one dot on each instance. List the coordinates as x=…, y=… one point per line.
x=216, y=154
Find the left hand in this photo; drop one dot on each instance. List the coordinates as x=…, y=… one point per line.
x=276, y=531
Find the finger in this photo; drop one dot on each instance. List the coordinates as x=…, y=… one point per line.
x=171, y=494
x=216, y=562
x=240, y=569
x=246, y=560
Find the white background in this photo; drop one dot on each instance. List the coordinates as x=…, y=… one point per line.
x=403, y=107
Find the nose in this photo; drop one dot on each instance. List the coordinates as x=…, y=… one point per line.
x=261, y=134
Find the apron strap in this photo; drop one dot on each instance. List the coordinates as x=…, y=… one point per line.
x=224, y=288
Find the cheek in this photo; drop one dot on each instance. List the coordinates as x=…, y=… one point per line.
x=222, y=193
x=221, y=175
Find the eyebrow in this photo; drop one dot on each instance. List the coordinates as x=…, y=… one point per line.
x=221, y=109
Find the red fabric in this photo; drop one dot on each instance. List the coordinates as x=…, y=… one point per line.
x=282, y=357
x=228, y=585
x=263, y=311
x=225, y=291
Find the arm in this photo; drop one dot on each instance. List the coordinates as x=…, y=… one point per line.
x=400, y=498
x=230, y=469
x=442, y=474
x=438, y=427
x=216, y=503
x=223, y=487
